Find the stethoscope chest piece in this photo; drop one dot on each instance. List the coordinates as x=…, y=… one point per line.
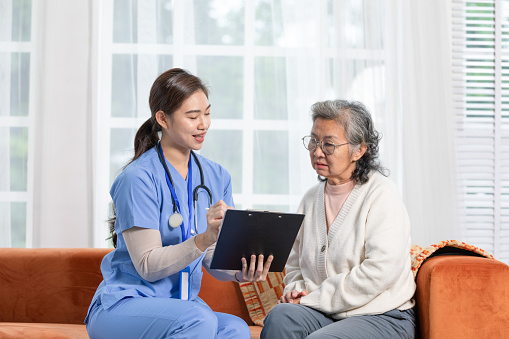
x=175, y=220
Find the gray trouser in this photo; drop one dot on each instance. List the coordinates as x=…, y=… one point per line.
x=287, y=321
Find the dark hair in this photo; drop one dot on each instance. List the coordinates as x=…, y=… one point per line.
x=356, y=121
x=168, y=93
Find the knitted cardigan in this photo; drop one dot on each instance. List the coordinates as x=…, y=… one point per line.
x=363, y=265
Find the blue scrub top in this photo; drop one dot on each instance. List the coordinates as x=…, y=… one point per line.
x=142, y=198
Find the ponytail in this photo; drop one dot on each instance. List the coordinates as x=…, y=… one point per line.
x=111, y=225
x=145, y=139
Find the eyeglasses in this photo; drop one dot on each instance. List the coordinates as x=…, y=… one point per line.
x=328, y=147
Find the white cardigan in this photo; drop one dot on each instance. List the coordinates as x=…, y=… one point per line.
x=363, y=265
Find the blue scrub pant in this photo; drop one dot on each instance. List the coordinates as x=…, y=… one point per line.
x=287, y=321
x=152, y=318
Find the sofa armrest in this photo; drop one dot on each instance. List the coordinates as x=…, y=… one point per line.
x=463, y=297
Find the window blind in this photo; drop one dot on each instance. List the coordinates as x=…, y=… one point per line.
x=480, y=32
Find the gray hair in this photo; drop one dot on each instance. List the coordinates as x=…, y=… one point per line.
x=356, y=121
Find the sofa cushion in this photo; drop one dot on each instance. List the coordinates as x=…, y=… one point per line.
x=62, y=331
x=42, y=331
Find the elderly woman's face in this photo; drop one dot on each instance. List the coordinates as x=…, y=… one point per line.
x=337, y=167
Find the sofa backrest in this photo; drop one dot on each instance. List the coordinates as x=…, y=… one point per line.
x=48, y=285
x=56, y=285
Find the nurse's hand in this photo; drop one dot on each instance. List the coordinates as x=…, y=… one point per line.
x=215, y=216
x=255, y=272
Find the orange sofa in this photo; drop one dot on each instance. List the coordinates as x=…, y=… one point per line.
x=45, y=293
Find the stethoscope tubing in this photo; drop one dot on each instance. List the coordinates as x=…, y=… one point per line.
x=196, y=189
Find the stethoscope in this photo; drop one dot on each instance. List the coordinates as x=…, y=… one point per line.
x=176, y=219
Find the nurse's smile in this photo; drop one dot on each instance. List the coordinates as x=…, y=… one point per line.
x=199, y=137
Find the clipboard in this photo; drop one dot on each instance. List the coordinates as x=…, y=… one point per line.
x=247, y=232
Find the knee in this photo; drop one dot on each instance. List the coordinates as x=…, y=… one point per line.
x=279, y=318
x=279, y=314
x=199, y=320
x=233, y=327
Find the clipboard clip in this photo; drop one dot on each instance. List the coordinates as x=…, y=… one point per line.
x=265, y=211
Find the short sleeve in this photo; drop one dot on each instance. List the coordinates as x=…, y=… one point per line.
x=136, y=200
x=227, y=194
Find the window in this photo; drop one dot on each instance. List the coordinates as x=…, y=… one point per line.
x=16, y=120
x=481, y=88
x=247, y=52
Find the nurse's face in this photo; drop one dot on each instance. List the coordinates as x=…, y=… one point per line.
x=337, y=167
x=187, y=126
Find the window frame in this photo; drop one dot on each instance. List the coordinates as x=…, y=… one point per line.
x=27, y=197
x=248, y=124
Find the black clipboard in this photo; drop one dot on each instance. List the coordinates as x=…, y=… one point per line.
x=247, y=232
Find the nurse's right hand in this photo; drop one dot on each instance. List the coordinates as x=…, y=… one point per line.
x=215, y=216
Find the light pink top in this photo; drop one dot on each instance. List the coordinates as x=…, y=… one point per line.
x=335, y=196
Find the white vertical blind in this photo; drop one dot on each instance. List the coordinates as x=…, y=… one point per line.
x=481, y=105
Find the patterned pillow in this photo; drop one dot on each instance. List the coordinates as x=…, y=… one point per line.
x=260, y=297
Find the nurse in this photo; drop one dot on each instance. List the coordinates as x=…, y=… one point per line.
x=162, y=234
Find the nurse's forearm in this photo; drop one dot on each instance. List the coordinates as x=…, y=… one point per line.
x=153, y=261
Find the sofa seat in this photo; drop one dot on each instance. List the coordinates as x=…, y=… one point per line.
x=62, y=331
x=42, y=331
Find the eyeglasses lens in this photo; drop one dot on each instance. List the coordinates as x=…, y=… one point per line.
x=311, y=143
x=328, y=148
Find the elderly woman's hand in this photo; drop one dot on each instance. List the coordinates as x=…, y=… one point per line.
x=292, y=297
x=254, y=272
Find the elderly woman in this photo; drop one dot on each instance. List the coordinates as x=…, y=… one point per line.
x=348, y=274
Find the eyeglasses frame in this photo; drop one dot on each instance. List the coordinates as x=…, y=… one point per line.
x=321, y=145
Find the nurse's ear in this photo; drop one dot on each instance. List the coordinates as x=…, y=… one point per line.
x=162, y=119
